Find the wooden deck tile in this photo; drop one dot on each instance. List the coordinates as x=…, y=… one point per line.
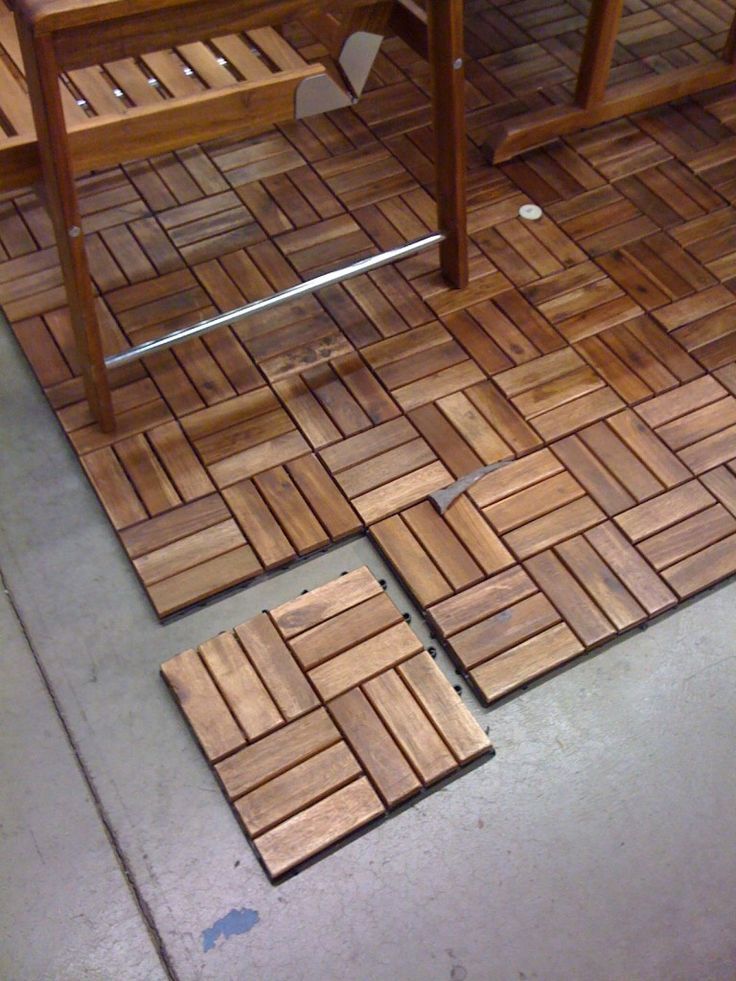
x=595, y=348
x=558, y=393
x=321, y=715
x=697, y=421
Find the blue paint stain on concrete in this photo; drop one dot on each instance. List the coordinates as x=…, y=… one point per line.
x=233, y=923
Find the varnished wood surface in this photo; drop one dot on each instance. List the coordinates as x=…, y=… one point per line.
x=597, y=346
x=312, y=739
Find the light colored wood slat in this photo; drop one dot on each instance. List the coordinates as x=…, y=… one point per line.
x=525, y=662
x=688, y=536
x=607, y=591
x=310, y=831
x=324, y=602
x=477, y=535
x=381, y=470
x=722, y=483
x=410, y=727
x=481, y=601
x=441, y=704
x=411, y=562
x=642, y=441
x=710, y=452
x=344, y=631
x=297, y=789
x=597, y=479
x=291, y=510
x=364, y=661
x=244, y=692
x=148, y=536
x=204, y=579
x=276, y=48
x=318, y=488
x=381, y=758
x=503, y=630
x=535, y=501
x=283, y=749
x=402, y=492
x=577, y=608
x=638, y=577
x=15, y=104
x=555, y=527
x=185, y=553
x=128, y=76
x=261, y=528
x=633, y=474
x=180, y=461
x=254, y=461
x=703, y=569
x=514, y=477
x=117, y=495
x=153, y=485
x=682, y=400
x=203, y=61
x=365, y=445
x=203, y=706
x=96, y=89
x=447, y=552
x=665, y=510
x=247, y=63
x=277, y=668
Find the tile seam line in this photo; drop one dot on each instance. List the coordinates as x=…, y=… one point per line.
x=138, y=899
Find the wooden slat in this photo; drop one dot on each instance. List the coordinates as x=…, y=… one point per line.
x=324, y=602
x=525, y=662
x=276, y=667
x=243, y=690
x=346, y=630
x=372, y=743
x=297, y=789
x=203, y=705
x=455, y=724
x=321, y=825
x=364, y=661
x=269, y=758
x=410, y=727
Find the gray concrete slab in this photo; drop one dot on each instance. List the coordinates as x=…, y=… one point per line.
x=66, y=909
x=598, y=844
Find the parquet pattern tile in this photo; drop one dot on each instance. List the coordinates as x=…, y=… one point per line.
x=594, y=348
x=321, y=715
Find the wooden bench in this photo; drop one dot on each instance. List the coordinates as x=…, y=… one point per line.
x=594, y=101
x=206, y=81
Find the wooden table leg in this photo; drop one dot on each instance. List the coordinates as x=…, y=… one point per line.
x=595, y=62
x=445, y=30
x=61, y=199
x=729, y=49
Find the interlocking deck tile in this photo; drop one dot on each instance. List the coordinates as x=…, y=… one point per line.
x=596, y=345
x=320, y=716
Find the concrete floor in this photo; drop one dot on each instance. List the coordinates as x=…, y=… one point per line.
x=600, y=843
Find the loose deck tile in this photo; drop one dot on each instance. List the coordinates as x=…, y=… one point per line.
x=320, y=716
x=594, y=348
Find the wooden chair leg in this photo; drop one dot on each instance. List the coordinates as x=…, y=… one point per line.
x=61, y=198
x=445, y=30
x=729, y=49
x=595, y=62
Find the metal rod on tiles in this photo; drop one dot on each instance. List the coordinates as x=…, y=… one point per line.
x=258, y=306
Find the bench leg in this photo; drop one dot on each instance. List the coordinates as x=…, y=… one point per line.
x=595, y=62
x=445, y=30
x=61, y=199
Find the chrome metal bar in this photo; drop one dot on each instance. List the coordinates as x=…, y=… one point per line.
x=258, y=306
